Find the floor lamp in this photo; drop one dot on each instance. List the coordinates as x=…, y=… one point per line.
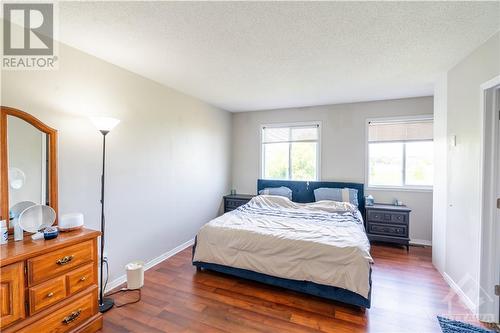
x=104, y=125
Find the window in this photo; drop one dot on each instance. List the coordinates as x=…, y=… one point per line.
x=400, y=153
x=290, y=152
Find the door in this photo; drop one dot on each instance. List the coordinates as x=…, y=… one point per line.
x=497, y=238
x=11, y=294
x=489, y=273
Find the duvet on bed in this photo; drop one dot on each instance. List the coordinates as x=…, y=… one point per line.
x=322, y=242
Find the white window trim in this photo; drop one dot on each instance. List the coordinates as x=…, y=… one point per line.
x=404, y=188
x=306, y=123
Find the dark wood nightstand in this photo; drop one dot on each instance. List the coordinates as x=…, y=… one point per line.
x=233, y=201
x=388, y=223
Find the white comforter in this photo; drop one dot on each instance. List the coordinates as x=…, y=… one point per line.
x=323, y=242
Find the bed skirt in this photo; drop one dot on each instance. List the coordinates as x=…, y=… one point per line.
x=306, y=287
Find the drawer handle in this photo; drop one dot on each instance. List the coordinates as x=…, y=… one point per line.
x=83, y=278
x=72, y=317
x=49, y=295
x=64, y=260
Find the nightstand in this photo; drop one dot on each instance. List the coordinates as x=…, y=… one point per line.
x=233, y=201
x=388, y=223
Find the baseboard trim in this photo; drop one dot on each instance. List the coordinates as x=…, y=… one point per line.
x=123, y=278
x=422, y=242
x=463, y=297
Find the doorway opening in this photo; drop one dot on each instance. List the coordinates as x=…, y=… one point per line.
x=489, y=275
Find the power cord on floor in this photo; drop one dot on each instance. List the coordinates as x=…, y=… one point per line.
x=124, y=290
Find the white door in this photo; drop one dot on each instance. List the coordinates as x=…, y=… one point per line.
x=497, y=261
x=489, y=303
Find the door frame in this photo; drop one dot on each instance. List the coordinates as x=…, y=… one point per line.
x=489, y=272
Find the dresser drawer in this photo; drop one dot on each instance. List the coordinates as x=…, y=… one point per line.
x=55, y=263
x=66, y=318
x=387, y=217
x=235, y=203
x=388, y=229
x=80, y=278
x=46, y=294
x=399, y=218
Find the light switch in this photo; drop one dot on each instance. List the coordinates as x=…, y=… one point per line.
x=453, y=141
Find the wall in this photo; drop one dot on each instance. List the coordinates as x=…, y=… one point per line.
x=440, y=201
x=463, y=116
x=343, y=148
x=168, y=161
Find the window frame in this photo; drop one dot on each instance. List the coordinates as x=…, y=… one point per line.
x=291, y=124
x=404, y=187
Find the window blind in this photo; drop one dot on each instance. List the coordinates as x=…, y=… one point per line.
x=302, y=133
x=411, y=130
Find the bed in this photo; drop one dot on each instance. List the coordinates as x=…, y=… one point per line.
x=317, y=248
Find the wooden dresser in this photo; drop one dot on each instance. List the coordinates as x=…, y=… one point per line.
x=50, y=285
x=388, y=223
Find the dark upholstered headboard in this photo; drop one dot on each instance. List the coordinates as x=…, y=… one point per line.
x=303, y=191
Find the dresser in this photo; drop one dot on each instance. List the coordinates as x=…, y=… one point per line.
x=233, y=201
x=50, y=285
x=388, y=223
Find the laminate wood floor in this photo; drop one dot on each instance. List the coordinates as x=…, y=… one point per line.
x=407, y=294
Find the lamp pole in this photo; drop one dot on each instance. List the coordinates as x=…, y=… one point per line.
x=105, y=304
x=104, y=125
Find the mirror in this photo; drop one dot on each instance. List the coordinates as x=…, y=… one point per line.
x=28, y=160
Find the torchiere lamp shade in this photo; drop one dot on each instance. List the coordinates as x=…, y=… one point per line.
x=105, y=124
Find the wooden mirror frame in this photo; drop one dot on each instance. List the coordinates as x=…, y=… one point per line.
x=4, y=164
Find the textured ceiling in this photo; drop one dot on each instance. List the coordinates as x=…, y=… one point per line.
x=261, y=55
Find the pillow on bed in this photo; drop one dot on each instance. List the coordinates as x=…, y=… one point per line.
x=333, y=206
x=281, y=191
x=337, y=194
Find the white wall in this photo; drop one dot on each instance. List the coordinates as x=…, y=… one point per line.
x=168, y=160
x=342, y=149
x=440, y=204
x=463, y=117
